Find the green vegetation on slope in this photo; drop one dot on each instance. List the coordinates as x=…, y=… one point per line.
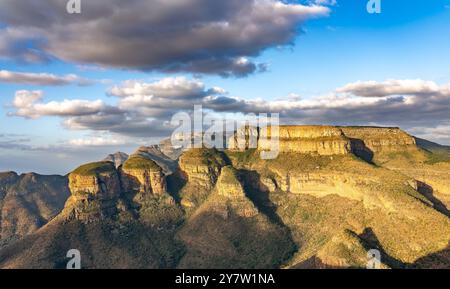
x=140, y=162
x=93, y=169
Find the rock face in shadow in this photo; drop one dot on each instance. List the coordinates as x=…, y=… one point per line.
x=27, y=202
x=200, y=168
x=228, y=231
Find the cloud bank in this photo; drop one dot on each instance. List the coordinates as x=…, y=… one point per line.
x=198, y=36
x=41, y=78
x=144, y=109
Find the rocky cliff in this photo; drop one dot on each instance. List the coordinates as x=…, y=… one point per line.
x=320, y=140
x=200, y=168
x=95, y=189
x=380, y=139
x=142, y=175
x=332, y=194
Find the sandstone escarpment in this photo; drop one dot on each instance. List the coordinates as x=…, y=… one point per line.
x=228, y=231
x=325, y=140
x=319, y=140
x=380, y=139
x=200, y=168
x=95, y=189
x=232, y=193
x=142, y=175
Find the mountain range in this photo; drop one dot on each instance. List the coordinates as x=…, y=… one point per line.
x=332, y=194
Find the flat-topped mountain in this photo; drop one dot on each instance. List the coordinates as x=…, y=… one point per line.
x=330, y=195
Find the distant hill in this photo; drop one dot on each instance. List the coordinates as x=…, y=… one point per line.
x=29, y=201
x=438, y=152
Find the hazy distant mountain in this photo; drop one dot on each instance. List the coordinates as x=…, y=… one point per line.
x=117, y=158
x=29, y=201
x=155, y=153
x=332, y=194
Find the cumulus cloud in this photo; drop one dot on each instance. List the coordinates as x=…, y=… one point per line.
x=199, y=36
x=41, y=78
x=173, y=88
x=144, y=109
x=29, y=104
x=440, y=132
x=163, y=98
x=394, y=87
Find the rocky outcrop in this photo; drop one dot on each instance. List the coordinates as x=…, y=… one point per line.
x=231, y=190
x=95, y=189
x=202, y=166
x=143, y=175
x=380, y=139
x=316, y=140
x=100, y=191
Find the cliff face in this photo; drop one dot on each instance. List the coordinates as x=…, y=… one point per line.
x=135, y=189
x=200, y=169
x=325, y=140
x=202, y=166
x=95, y=189
x=379, y=139
x=319, y=140
x=143, y=175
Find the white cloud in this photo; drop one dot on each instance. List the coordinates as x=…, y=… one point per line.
x=29, y=104
x=97, y=142
x=439, y=132
x=26, y=98
x=143, y=109
x=176, y=88
x=394, y=87
x=41, y=78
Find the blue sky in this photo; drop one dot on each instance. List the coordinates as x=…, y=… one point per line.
x=408, y=40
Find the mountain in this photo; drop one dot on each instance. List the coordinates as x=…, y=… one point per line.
x=117, y=158
x=27, y=202
x=156, y=154
x=332, y=194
